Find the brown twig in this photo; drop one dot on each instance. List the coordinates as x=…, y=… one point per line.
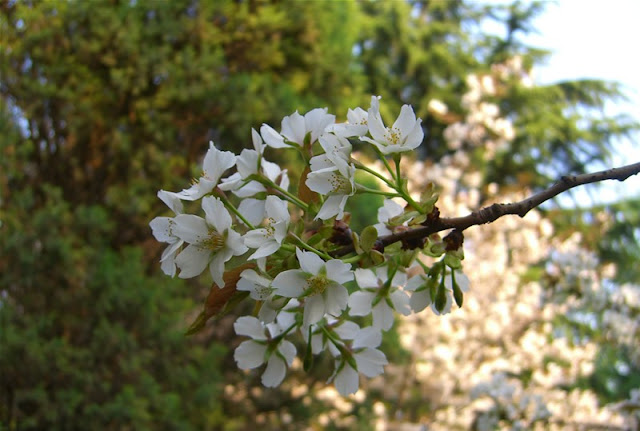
x=493, y=212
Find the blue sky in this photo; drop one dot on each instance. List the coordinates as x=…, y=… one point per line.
x=596, y=39
x=592, y=39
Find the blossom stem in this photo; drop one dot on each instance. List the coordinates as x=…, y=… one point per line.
x=359, y=165
x=353, y=259
x=396, y=158
x=387, y=165
x=292, y=198
x=363, y=189
x=307, y=247
x=407, y=197
x=234, y=210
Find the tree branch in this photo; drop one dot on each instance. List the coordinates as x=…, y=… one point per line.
x=493, y=212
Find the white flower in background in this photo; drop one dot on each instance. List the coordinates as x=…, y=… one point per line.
x=260, y=349
x=386, y=212
x=215, y=163
x=162, y=229
x=405, y=135
x=319, y=283
x=295, y=128
x=267, y=240
x=367, y=358
x=211, y=241
x=379, y=296
x=337, y=183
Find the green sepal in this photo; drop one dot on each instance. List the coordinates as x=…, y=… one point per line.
x=441, y=297
x=307, y=362
x=376, y=257
x=457, y=294
x=434, y=249
x=452, y=261
x=368, y=238
x=356, y=243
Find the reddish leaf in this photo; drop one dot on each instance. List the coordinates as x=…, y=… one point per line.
x=218, y=298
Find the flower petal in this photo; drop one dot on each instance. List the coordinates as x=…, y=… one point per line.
x=405, y=122
x=360, y=303
x=347, y=380
x=275, y=372
x=190, y=228
x=249, y=354
x=250, y=327
x=366, y=278
x=371, y=362
x=235, y=243
x=290, y=283
x=216, y=214
x=335, y=299
x=293, y=128
x=161, y=228
x=216, y=162
x=252, y=210
x=415, y=137
x=382, y=316
x=368, y=337
x=400, y=302
x=276, y=208
x=171, y=200
x=339, y=271
x=288, y=351
x=314, y=309
x=420, y=300
x=309, y=261
x=266, y=249
x=216, y=268
x=192, y=261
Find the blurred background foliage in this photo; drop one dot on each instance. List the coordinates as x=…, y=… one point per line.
x=104, y=102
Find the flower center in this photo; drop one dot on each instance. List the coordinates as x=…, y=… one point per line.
x=214, y=242
x=339, y=184
x=393, y=136
x=317, y=284
x=270, y=229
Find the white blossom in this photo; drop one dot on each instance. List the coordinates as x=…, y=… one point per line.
x=255, y=352
x=162, y=229
x=337, y=182
x=211, y=241
x=405, y=135
x=267, y=240
x=356, y=124
x=215, y=163
x=379, y=296
x=361, y=350
x=386, y=212
x=318, y=283
x=295, y=128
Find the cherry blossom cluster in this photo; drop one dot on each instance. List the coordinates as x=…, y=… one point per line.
x=313, y=278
